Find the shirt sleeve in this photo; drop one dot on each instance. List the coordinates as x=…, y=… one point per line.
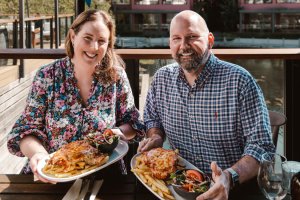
x=255, y=121
x=126, y=110
x=151, y=116
x=32, y=120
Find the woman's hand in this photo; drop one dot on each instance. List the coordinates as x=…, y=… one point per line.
x=119, y=133
x=149, y=143
x=125, y=131
x=34, y=160
x=221, y=187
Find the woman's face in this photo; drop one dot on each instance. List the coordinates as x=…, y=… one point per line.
x=90, y=43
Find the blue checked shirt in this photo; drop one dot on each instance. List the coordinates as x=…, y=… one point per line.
x=221, y=118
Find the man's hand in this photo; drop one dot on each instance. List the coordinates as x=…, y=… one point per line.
x=221, y=187
x=34, y=160
x=149, y=143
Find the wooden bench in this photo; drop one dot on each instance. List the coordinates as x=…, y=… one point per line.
x=12, y=102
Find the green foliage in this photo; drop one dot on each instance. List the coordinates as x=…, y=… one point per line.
x=9, y=7
x=44, y=7
x=101, y=5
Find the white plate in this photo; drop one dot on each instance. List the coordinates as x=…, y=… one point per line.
x=118, y=153
x=181, y=162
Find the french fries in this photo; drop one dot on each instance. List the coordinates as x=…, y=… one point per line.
x=144, y=173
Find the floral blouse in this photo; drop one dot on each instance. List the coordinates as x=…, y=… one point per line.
x=56, y=115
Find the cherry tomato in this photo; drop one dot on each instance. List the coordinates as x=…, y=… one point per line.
x=194, y=175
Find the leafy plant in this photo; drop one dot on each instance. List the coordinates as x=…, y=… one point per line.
x=44, y=7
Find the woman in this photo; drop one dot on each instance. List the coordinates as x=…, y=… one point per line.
x=87, y=91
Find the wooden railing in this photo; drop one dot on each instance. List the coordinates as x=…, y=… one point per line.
x=291, y=59
x=286, y=54
x=32, y=34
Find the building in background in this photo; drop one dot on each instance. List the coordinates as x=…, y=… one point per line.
x=146, y=17
x=273, y=16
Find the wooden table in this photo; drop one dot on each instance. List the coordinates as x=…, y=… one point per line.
x=115, y=187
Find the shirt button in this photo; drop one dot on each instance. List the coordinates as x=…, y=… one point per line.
x=195, y=137
x=197, y=158
x=191, y=94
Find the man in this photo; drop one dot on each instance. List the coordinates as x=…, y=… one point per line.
x=212, y=111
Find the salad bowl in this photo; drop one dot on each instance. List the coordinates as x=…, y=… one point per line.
x=190, y=183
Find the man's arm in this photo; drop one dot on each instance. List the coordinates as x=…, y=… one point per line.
x=246, y=168
x=155, y=138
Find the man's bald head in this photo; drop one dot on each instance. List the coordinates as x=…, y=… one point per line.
x=189, y=16
x=190, y=41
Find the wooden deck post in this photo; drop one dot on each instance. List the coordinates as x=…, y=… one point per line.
x=22, y=39
x=132, y=70
x=292, y=109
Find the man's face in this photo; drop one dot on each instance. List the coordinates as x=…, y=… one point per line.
x=189, y=44
x=190, y=60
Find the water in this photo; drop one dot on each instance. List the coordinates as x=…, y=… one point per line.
x=163, y=42
x=291, y=167
x=269, y=74
x=273, y=188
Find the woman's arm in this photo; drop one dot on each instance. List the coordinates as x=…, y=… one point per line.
x=32, y=148
x=32, y=120
x=128, y=120
x=30, y=145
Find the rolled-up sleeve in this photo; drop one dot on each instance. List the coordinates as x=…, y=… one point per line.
x=255, y=122
x=32, y=120
x=151, y=116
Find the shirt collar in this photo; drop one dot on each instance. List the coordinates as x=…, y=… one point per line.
x=207, y=70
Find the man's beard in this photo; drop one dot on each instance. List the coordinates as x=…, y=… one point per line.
x=195, y=62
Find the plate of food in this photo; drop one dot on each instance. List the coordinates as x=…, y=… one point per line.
x=154, y=169
x=80, y=158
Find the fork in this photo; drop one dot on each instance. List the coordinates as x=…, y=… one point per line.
x=96, y=187
x=84, y=189
x=73, y=192
x=123, y=167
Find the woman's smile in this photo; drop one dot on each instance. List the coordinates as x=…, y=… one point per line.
x=90, y=55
